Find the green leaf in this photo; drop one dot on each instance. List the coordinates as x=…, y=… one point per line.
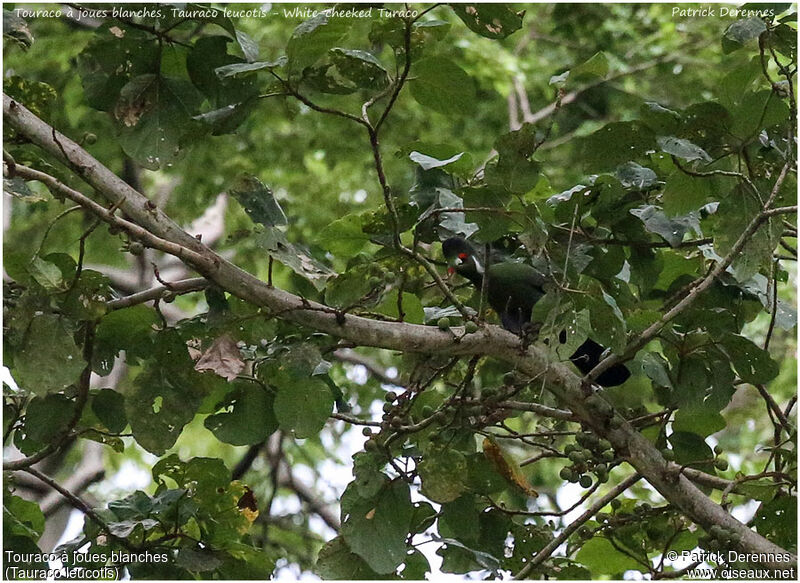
x=596, y=66
x=337, y=562
x=376, y=529
x=428, y=162
x=129, y=329
x=632, y=175
x=369, y=480
x=741, y=32
x=681, y=148
x=601, y=558
x=361, y=68
x=165, y=396
x=776, y=520
x=312, y=39
x=655, y=221
x=412, y=307
x=442, y=472
x=248, y=416
x=21, y=518
x=699, y=419
x=258, y=201
x=240, y=69
x=197, y=560
x=734, y=214
x=684, y=194
x=303, y=406
x=16, y=29
x=659, y=118
x=690, y=448
x=294, y=257
x=49, y=360
x=441, y=85
x=615, y=144
x=109, y=406
x=45, y=418
x=752, y=363
x=46, y=274
x=110, y=60
x=343, y=237
x=155, y=116
x=514, y=170
x=494, y=21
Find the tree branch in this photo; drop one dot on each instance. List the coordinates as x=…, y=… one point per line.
x=489, y=341
x=550, y=547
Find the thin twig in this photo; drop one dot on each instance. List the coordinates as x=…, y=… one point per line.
x=550, y=547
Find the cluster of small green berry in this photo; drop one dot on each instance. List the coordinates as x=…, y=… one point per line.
x=588, y=453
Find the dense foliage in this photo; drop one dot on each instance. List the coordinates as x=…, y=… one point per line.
x=643, y=158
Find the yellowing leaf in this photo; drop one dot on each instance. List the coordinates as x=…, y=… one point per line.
x=507, y=467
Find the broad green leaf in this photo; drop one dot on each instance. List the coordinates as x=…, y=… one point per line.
x=337, y=562
x=302, y=406
x=129, y=329
x=197, y=560
x=241, y=69
x=441, y=85
x=514, y=170
x=494, y=21
x=361, y=68
x=16, y=29
x=412, y=307
x=343, y=237
x=376, y=528
x=369, y=480
x=632, y=175
x=776, y=520
x=596, y=66
x=658, y=118
x=112, y=59
x=734, y=214
x=299, y=260
x=258, y=201
x=46, y=274
x=109, y=406
x=600, y=557
x=752, y=363
x=655, y=221
x=699, y=419
x=741, y=32
x=21, y=517
x=165, y=396
x=49, y=360
x=428, y=162
x=684, y=194
x=442, y=472
x=682, y=148
x=312, y=39
x=615, y=144
x=247, y=418
x=45, y=418
x=155, y=117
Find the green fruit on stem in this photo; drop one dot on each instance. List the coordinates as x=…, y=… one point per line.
x=470, y=327
x=443, y=323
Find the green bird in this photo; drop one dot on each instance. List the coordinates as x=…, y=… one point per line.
x=513, y=289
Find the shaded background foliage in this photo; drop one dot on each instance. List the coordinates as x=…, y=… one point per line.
x=596, y=175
